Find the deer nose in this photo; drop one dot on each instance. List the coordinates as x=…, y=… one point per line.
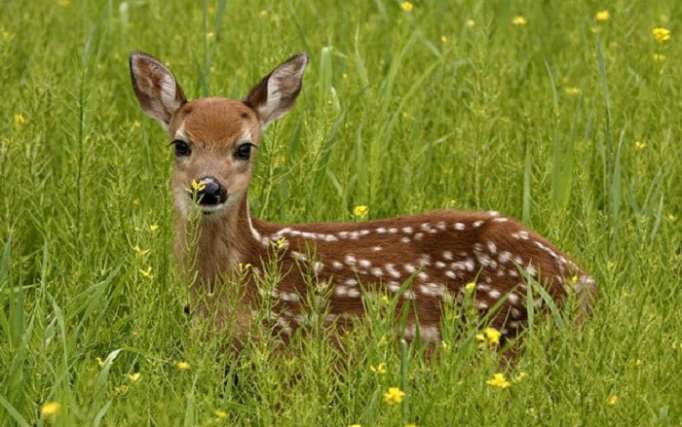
x=210, y=192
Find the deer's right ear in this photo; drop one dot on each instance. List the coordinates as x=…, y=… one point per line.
x=159, y=94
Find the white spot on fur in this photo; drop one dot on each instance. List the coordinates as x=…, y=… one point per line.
x=284, y=325
x=409, y=294
x=390, y=269
x=432, y=289
x=289, y=296
x=298, y=256
x=504, y=257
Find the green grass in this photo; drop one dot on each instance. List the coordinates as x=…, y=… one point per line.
x=575, y=131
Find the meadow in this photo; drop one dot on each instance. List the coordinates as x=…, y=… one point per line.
x=563, y=114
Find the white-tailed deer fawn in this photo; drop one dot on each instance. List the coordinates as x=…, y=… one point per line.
x=421, y=260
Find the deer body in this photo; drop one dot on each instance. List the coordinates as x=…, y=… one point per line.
x=421, y=260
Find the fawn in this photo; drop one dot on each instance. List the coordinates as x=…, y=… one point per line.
x=422, y=260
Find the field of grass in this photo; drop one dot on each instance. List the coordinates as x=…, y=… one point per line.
x=568, y=123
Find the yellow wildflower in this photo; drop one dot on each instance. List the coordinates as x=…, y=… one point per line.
x=519, y=21
x=210, y=36
x=443, y=39
x=355, y=425
x=134, y=377
x=470, y=23
x=671, y=217
x=136, y=124
x=498, y=380
x=153, y=227
x=183, y=366
x=220, y=413
x=638, y=362
x=661, y=34
x=50, y=409
x=243, y=267
x=360, y=211
x=639, y=145
x=489, y=335
x=659, y=57
x=602, y=16
x=100, y=362
x=380, y=369
x=141, y=252
x=469, y=287
x=406, y=6
x=147, y=273
x=411, y=425
x=612, y=400
x=197, y=186
x=393, y=396
x=444, y=345
x=19, y=119
x=572, y=91
x=281, y=243
x=6, y=35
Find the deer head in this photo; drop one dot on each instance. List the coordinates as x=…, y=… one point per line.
x=214, y=139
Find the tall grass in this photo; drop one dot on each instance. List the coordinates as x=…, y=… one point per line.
x=570, y=124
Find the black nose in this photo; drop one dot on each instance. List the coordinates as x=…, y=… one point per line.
x=211, y=192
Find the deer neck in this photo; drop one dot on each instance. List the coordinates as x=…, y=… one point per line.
x=214, y=247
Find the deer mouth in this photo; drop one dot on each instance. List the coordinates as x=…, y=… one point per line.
x=208, y=210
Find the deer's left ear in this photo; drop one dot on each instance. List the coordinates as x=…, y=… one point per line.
x=277, y=92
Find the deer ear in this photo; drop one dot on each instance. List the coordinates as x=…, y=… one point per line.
x=159, y=94
x=277, y=92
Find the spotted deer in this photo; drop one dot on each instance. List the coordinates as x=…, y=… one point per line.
x=421, y=260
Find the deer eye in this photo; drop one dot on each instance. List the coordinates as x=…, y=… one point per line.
x=243, y=152
x=182, y=148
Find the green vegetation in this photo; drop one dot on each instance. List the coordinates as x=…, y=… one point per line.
x=570, y=124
